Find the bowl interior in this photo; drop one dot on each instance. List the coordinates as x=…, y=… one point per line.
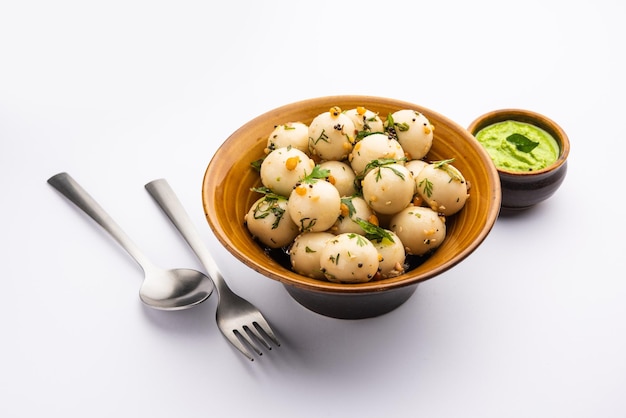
x=226, y=194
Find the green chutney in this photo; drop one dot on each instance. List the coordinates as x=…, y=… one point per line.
x=518, y=146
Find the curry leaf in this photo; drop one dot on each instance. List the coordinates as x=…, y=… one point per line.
x=521, y=142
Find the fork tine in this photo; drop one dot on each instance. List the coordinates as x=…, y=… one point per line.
x=248, y=335
x=261, y=325
x=255, y=331
x=237, y=339
x=252, y=337
x=245, y=338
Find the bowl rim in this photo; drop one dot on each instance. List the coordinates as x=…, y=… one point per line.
x=533, y=118
x=291, y=278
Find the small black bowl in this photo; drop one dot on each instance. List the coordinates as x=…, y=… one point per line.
x=523, y=189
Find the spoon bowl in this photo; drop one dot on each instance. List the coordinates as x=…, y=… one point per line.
x=163, y=289
x=174, y=289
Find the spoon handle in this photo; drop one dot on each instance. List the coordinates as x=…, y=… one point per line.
x=69, y=188
x=165, y=197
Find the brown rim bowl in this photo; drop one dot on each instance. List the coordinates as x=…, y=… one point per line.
x=227, y=196
x=522, y=190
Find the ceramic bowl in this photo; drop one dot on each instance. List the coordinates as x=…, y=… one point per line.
x=226, y=198
x=523, y=189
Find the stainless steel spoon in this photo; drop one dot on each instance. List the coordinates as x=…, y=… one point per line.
x=161, y=289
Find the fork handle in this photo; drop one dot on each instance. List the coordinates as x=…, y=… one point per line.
x=165, y=197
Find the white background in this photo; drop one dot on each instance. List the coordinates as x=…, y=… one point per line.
x=119, y=93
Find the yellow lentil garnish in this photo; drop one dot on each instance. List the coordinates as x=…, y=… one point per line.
x=335, y=111
x=292, y=163
x=331, y=179
x=360, y=110
x=301, y=190
x=373, y=219
x=345, y=210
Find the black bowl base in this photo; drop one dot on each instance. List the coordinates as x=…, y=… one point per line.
x=351, y=305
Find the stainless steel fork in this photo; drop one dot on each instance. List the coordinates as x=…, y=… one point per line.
x=240, y=321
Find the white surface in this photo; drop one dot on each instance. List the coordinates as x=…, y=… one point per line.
x=119, y=93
